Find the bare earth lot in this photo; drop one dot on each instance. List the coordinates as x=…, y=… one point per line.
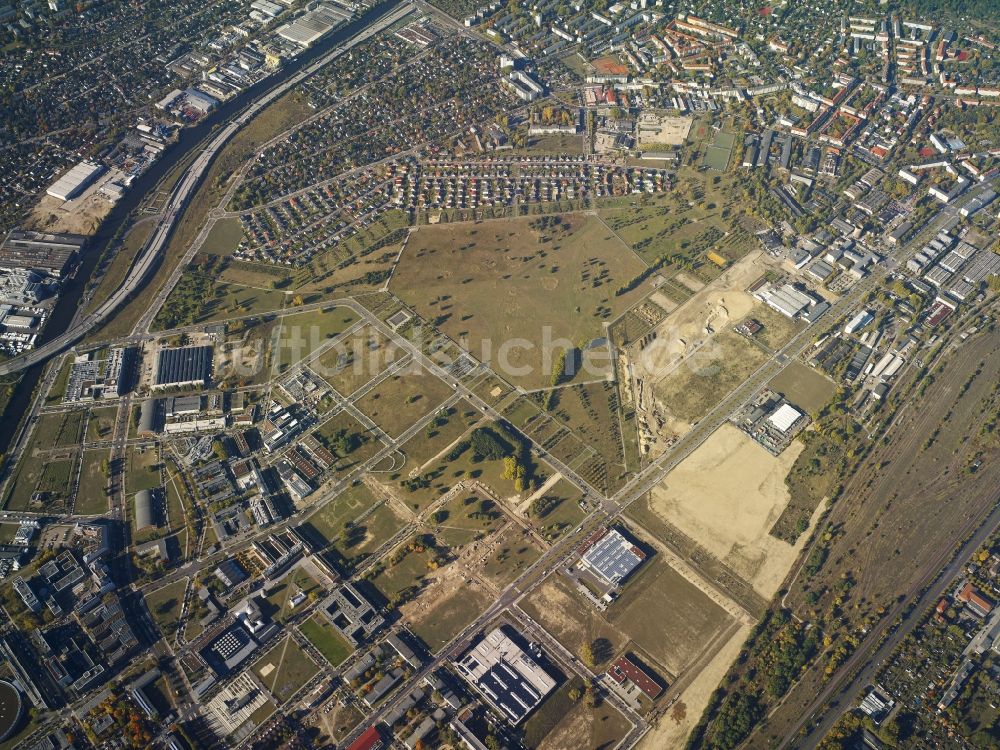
x=726, y=496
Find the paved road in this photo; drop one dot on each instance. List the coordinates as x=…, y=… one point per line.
x=184, y=190
x=845, y=692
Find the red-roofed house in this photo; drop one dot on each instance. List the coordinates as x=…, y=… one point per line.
x=974, y=600
x=627, y=670
x=370, y=739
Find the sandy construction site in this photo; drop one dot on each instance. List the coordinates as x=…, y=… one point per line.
x=727, y=496
x=685, y=338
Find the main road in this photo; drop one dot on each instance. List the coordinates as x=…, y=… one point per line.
x=150, y=254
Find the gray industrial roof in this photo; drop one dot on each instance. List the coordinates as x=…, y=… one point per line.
x=143, y=509
x=186, y=364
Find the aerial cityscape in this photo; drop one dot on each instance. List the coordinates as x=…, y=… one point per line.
x=526, y=375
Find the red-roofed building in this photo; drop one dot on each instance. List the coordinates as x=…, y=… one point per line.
x=974, y=600
x=370, y=739
x=940, y=609
x=627, y=670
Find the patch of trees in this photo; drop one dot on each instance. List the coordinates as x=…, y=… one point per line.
x=489, y=445
x=778, y=647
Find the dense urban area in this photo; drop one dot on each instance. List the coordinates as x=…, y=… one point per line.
x=530, y=375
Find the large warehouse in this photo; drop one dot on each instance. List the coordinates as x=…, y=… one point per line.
x=506, y=676
x=313, y=25
x=184, y=365
x=75, y=181
x=612, y=558
x=51, y=253
x=143, y=510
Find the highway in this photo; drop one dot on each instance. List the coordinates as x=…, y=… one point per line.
x=150, y=254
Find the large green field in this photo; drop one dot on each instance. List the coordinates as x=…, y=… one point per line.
x=503, y=288
x=327, y=641
x=285, y=669
x=400, y=400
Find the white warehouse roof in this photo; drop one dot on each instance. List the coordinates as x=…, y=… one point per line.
x=75, y=180
x=784, y=417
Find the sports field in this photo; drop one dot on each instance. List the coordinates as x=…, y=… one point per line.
x=502, y=288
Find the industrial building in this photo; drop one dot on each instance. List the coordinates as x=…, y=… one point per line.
x=185, y=365
x=143, y=510
x=612, y=558
x=858, y=322
x=51, y=253
x=785, y=417
x=200, y=101
x=313, y=25
x=75, y=181
x=507, y=677
x=785, y=299
x=229, y=650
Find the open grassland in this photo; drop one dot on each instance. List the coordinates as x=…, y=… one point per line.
x=513, y=552
x=804, y=387
x=400, y=400
x=285, y=669
x=224, y=237
x=667, y=616
x=164, y=606
x=778, y=329
x=102, y=423
x=50, y=479
x=92, y=496
x=277, y=604
x=58, y=430
x=563, y=724
x=365, y=442
x=320, y=633
x=303, y=333
x=487, y=284
x=462, y=465
x=448, y=426
x=437, y=618
x=329, y=520
x=351, y=363
x=369, y=533
x=727, y=496
x=142, y=469
x=556, y=509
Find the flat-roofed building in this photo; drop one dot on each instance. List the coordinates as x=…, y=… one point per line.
x=75, y=181
x=505, y=675
x=185, y=365
x=51, y=253
x=613, y=557
x=785, y=417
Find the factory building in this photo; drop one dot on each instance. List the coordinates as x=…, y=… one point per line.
x=612, y=558
x=184, y=365
x=51, y=253
x=75, y=181
x=506, y=675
